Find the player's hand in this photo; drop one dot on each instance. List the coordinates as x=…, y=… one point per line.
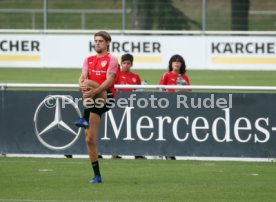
x=84, y=88
x=84, y=85
x=89, y=93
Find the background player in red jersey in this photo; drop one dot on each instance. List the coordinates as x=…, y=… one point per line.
x=127, y=77
x=176, y=74
x=98, y=90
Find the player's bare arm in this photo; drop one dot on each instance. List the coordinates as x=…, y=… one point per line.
x=82, y=78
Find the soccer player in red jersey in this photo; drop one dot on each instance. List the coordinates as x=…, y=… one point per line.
x=175, y=76
x=97, y=85
x=125, y=75
x=177, y=70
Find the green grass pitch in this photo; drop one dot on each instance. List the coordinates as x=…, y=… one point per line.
x=58, y=180
x=197, y=77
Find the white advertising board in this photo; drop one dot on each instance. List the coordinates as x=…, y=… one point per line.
x=241, y=53
x=150, y=52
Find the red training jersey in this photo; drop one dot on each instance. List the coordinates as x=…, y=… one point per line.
x=169, y=78
x=98, y=67
x=128, y=78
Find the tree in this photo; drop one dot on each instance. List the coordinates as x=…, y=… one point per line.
x=239, y=14
x=161, y=15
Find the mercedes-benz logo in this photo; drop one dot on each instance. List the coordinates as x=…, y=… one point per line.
x=57, y=123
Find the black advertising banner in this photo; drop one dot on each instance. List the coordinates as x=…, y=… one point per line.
x=24, y=116
x=142, y=123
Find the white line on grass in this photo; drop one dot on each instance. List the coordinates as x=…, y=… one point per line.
x=199, y=158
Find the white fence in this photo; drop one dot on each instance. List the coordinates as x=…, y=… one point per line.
x=4, y=86
x=82, y=12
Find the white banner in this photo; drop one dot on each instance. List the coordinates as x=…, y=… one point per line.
x=241, y=53
x=150, y=52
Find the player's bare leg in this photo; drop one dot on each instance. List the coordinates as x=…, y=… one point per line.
x=91, y=136
x=89, y=84
x=94, y=124
x=87, y=102
x=91, y=144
